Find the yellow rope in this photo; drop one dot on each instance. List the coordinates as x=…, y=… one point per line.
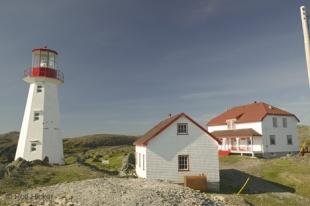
x=246, y=182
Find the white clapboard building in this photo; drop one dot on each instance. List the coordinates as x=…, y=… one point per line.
x=258, y=129
x=177, y=147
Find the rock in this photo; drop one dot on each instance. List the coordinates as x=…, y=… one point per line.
x=16, y=166
x=128, y=166
x=46, y=160
x=36, y=162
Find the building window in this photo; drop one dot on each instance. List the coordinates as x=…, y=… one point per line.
x=272, y=139
x=139, y=160
x=182, y=128
x=274, y=122
x=183, y=163
x=284, y=122
x=143, y=162
x=39, y=88
x=289, y=139
x=33, y=146
x=36, y=116
x=231, y=124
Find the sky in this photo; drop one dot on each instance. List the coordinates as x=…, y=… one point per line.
x=129, y=64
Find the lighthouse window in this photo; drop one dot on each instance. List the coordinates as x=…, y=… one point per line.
x=44, y=59
x=39, y=88
x=33, y=146
x=51, y=60
x=36, y=116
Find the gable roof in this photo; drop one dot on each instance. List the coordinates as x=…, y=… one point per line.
x=235, y=133
x=253, y=112
x=161, y=126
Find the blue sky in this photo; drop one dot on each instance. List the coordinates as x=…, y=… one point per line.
x=128, y=64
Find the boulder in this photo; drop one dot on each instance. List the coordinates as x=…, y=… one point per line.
x=128, y=166
x=15, y=166
x=46, y=161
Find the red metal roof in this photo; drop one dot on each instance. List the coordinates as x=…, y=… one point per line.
x=253, y=112
x=161, y=126
x=45, y=49
x=235, y=133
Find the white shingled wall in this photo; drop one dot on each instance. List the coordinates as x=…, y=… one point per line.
x=162, y=154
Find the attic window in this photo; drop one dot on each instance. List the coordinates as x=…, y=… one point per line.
x=231, y=123
x=182, y=128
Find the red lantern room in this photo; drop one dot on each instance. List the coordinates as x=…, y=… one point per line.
x=44, y=65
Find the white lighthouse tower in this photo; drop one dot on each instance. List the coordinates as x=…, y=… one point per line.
x=40, y=132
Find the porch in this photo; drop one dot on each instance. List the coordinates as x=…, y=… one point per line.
x=241, y=141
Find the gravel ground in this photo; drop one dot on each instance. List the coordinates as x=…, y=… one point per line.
x=114, y=191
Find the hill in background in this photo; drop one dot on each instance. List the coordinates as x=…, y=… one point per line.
x=8, y=142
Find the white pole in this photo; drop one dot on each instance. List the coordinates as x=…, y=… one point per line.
x=305, y=28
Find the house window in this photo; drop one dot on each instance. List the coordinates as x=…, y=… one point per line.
x=182, y=128
x=231, y=124
x=284, y=122
x=143, y=162
x=274, y=122
x=39, y=88
x=139, y=160
x=36, y=116
x=272, y=139
x=33, y=146
x=289, y=139
x=183, y=163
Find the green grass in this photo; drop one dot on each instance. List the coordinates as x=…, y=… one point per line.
x=43, y=176
x=114, y=155
x=292, y=172
x=274, y=200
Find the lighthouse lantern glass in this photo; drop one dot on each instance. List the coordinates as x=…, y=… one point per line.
x=43, y=59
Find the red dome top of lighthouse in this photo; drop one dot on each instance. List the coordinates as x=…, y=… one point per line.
x=44, y=65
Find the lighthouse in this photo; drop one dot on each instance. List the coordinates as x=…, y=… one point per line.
x=40, y=134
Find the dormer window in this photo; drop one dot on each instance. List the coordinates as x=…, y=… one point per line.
x=231, y=123
x=182, y=128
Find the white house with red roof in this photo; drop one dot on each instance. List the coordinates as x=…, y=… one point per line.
x=177, y=147
x=258, y=129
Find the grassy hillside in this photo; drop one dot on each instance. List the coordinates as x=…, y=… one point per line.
x=8, y=144
x=85, y=143
x=84, y=157
x=279, y=181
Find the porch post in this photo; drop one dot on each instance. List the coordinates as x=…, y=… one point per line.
x=252, y=146
x=237, y=139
